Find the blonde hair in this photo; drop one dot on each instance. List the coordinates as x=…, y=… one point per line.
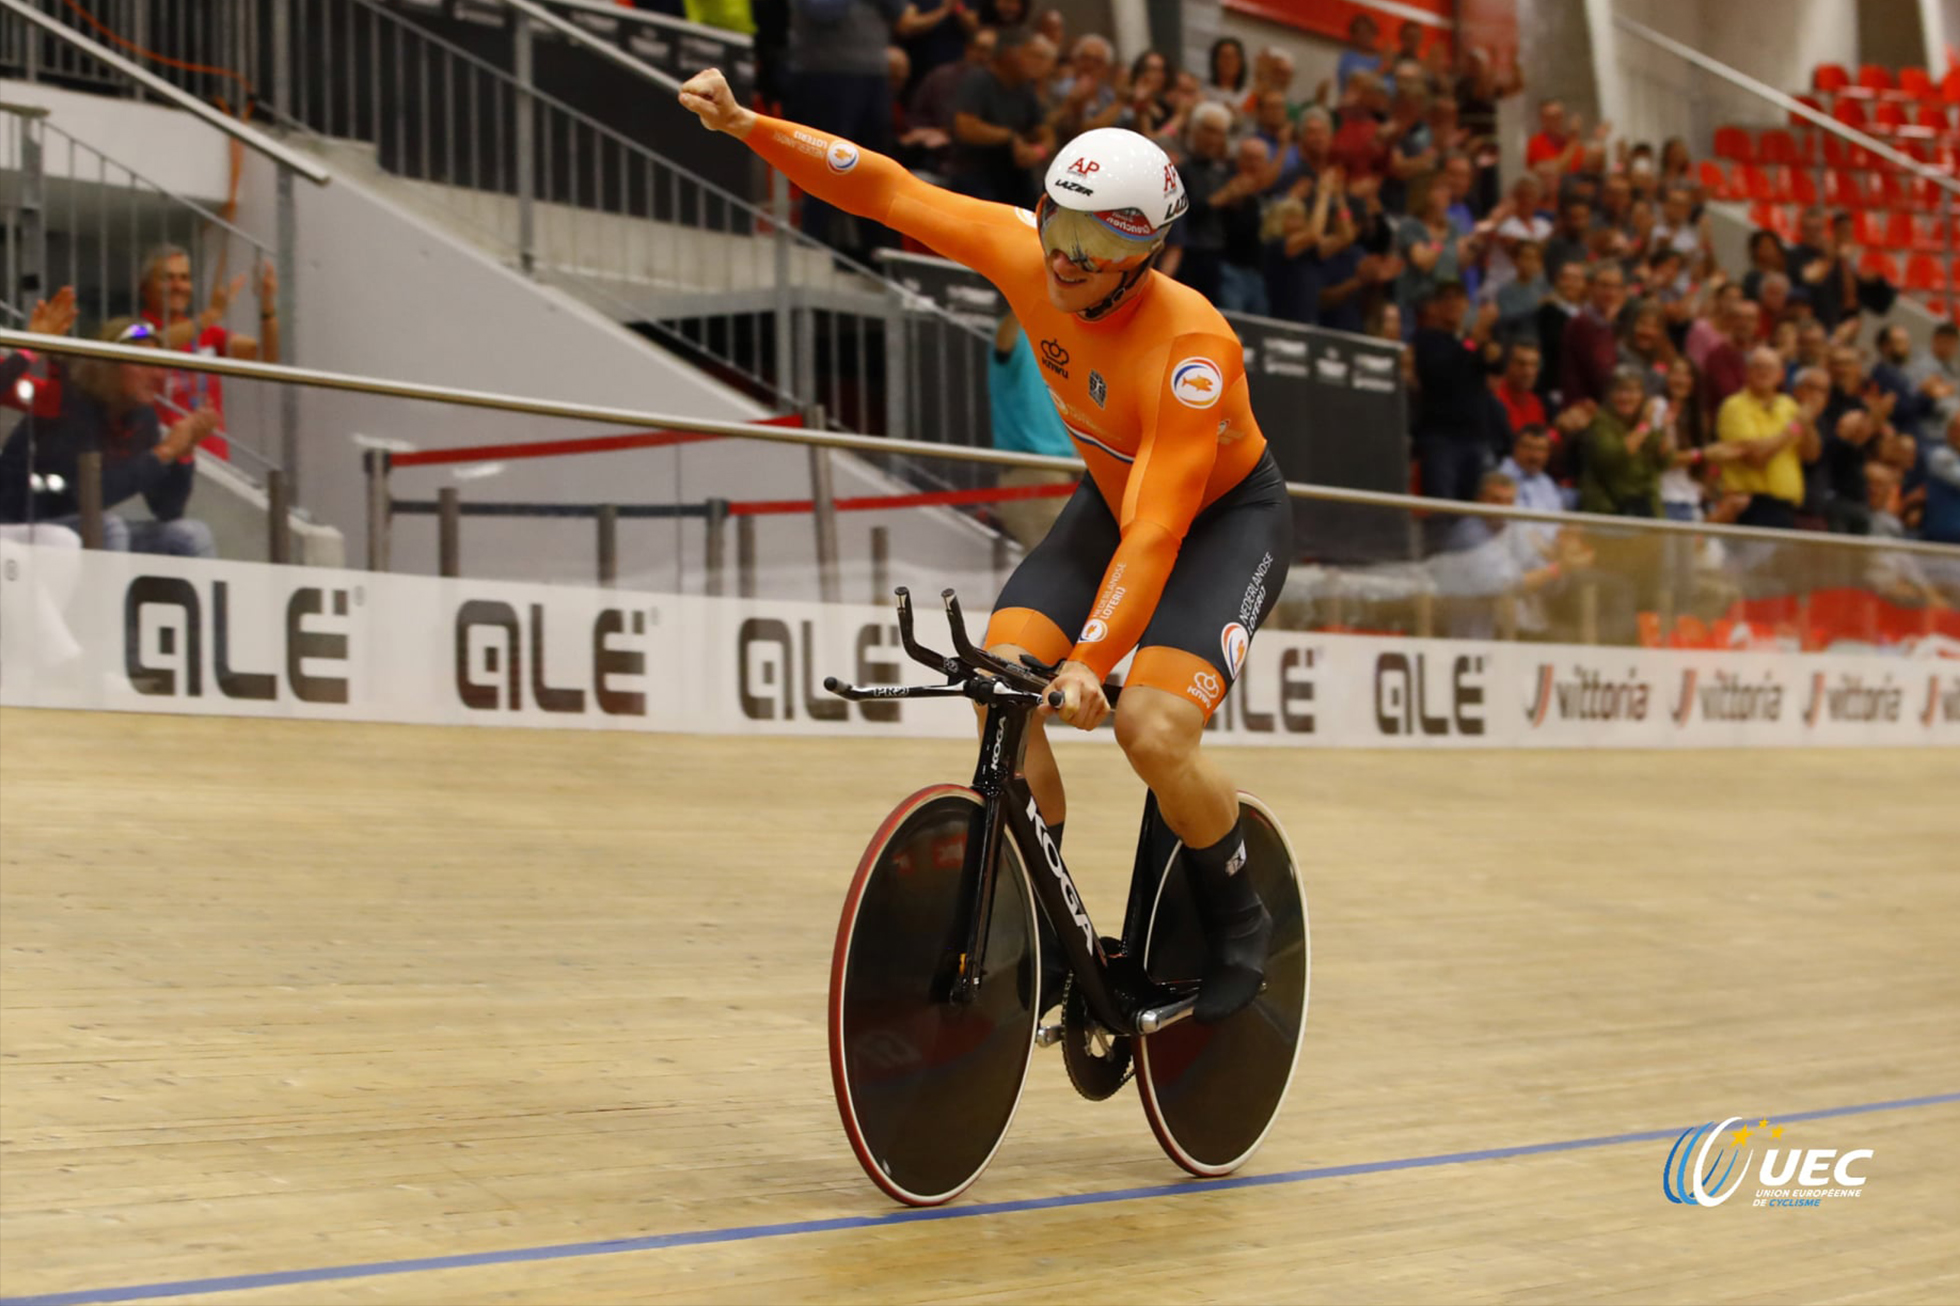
x=1273, y=226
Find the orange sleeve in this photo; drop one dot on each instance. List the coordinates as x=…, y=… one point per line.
x=987, y=237
x=1165, y=490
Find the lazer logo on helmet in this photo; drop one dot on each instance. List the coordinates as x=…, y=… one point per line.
x=1076, y=186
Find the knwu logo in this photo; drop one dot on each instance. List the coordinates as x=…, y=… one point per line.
x=1788, y=1177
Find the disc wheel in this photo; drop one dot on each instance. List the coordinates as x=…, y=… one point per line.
x=927, y=1087
x=1211, y=1092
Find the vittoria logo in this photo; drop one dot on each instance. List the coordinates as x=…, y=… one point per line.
x=842, y=156
x=1853, y=701
x=1850, y=699
x=1197, y=382
x=1728, y=697
x=1408, y=703
x=1084, y=166
x=1587, y=695
x=1055, y=358
x=1940, y=706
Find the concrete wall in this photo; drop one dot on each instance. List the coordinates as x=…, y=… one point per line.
x=171, y=148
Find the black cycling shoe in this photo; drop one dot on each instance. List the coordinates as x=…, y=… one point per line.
x=1237, y=942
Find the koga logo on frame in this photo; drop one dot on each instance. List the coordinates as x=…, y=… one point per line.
x=1706, y=1167
x=1588, y=695
x=1850, y=699
x=163, y=642
x=1728, y=697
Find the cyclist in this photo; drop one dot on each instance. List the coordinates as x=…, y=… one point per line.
x=1177, y=542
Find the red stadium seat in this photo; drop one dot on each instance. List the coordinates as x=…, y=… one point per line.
x=1803, y=186
x=1877, y=263
x=1893, y=230
x=1840, y=153
x=1933, y=118
x=1851, y=114
x=1937, y=307
x=1841, y=190
x=1874, y=79
x=1915, y=83
x=1733, y=143
x=1931, y=234
x=1755, y=183
x=1950, y=85
x=1829, y=78
x=1779, y=146
x=1888, y=118
x=1810, y=102
x=1924, y=272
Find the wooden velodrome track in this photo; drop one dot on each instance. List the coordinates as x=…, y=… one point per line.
x=333, y=1013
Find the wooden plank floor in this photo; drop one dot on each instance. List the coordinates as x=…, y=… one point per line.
x=290, y=996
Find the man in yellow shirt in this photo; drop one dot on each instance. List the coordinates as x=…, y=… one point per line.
x=1768, y=437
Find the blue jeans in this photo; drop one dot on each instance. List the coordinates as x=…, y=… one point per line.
x=1241, y=290
x=185, y=537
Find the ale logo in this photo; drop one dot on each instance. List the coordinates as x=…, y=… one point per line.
x=1706, y=1166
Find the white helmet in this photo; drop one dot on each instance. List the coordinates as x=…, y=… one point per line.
x=1126, y=190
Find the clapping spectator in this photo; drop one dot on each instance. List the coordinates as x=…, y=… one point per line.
x=1453, y=403
x=1914, y=403
x=934, y=35
x=1727, y=369
x=929, y=116
x=1358, y=145
x=1626, y=449
x=1300, y=245
x=1687, y=432
x=1363, y=53
x=1561, y=307
x=98, y=406
x=1144, y=109
x=1082, y=94
x=1410, y=152
x=1213, y=185
x=1590, y=349
x=167, y=290
x=838, y=84
x=1772, y=436
x=1765, y=256
x=1432, y=251
x=1519, y=299
x=1557, y=141
x=1571, y=240
x=1941, y=522
x=1936, y=374
x=1271, y=125
x=999, y=133
x=1226, y=73
x=1645, y=348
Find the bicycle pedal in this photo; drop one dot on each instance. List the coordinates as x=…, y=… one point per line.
x=1047, y=1036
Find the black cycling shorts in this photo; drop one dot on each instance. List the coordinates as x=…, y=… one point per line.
x=1227, y=577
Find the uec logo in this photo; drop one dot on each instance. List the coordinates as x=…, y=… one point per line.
x=1691, y=1178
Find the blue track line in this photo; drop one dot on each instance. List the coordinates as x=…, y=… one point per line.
x=752, y=1232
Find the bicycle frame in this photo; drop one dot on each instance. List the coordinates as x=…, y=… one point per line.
x=1123, y=999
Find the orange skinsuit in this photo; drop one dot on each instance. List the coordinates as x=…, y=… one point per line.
x=1174, y=428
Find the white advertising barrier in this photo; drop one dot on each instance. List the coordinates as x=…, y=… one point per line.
x=134, y=633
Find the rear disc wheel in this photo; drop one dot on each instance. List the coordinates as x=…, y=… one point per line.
x=1211, y=1092
x=927, y=1087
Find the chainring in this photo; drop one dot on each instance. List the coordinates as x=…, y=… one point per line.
x=1098, y=1062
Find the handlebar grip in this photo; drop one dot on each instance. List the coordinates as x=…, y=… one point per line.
x=1055, y=698
x=831, y=684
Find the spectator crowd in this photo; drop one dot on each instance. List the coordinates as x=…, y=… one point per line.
x=1579, y=308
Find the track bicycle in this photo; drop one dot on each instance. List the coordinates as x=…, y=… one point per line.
x=935, y=983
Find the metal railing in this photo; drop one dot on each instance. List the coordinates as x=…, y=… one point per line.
x=1777, y=559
